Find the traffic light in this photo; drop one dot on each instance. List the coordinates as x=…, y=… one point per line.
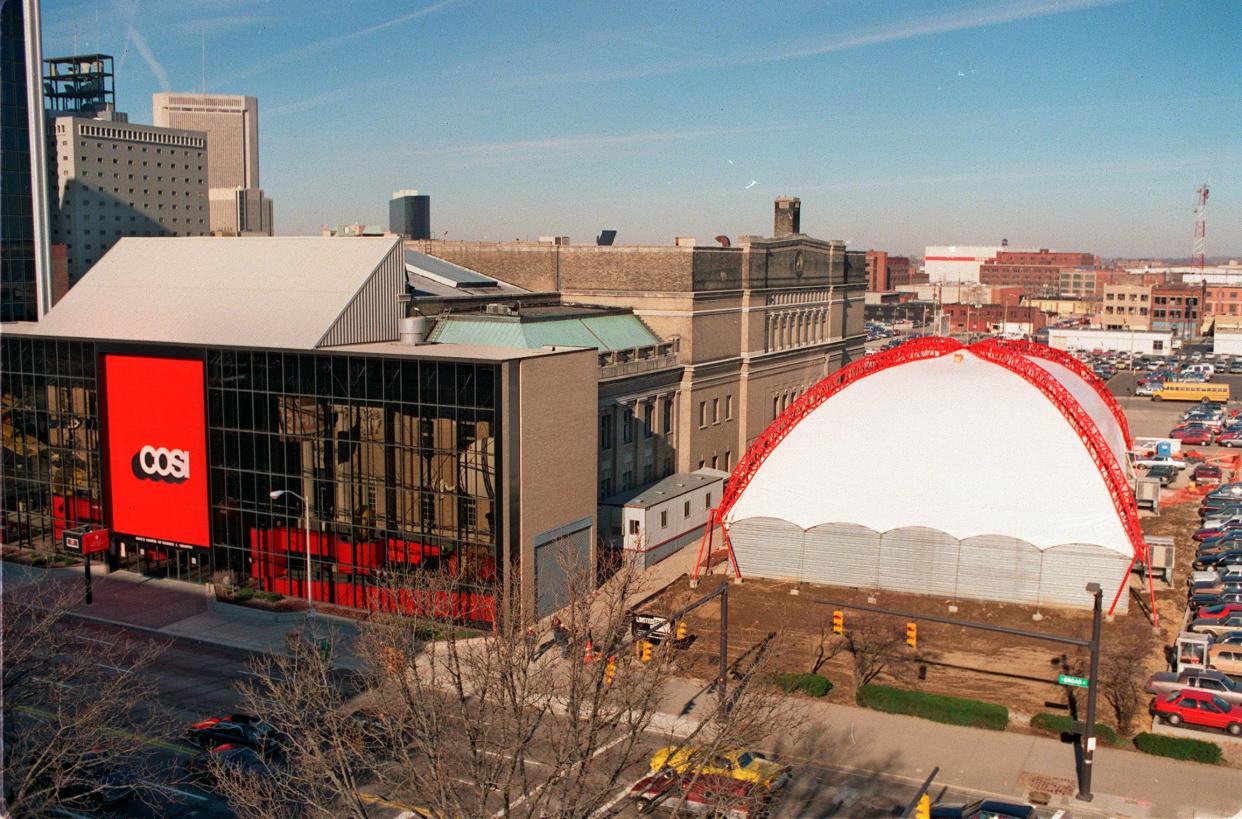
x=923, y=809
x=644, y=650
x=610, y=670
x=838, y=621
x=912, y=635
x=681, y=632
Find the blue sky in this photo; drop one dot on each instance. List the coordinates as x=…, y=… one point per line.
x=1074, y=124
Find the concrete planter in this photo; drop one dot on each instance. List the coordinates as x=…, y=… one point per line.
x=249, y=614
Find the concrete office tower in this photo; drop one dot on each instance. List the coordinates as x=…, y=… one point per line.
x=113, y=179
x=409, y=215
x=231, y=122
x=25, y=289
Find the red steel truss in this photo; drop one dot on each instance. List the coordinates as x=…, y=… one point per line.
x=1033, y=350
x=1008, y=355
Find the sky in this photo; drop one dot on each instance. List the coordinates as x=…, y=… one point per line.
x=1070, y=124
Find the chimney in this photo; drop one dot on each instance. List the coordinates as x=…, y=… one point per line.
x=788, y=216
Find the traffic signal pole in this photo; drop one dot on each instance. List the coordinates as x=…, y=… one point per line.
x=1084, y=755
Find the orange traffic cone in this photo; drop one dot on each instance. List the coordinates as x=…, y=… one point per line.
x=588, y=656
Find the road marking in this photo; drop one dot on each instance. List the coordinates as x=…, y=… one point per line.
x=171, y=789
x=42, y=713
x=84, y=639
x=515, y=803
x=524, y=759
x=624, y=792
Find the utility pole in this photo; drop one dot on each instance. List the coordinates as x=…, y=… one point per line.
x=1088, y=734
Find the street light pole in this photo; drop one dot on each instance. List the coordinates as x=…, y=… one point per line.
x=1088, y=734
x=276, y=494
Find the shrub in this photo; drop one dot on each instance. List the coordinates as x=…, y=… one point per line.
x=1061, y=724
x=935, y=707
x=813, y=685
x=1195, y=750
x=271, y=597
x=243, y=594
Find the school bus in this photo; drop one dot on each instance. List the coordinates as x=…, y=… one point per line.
x=1191, y=391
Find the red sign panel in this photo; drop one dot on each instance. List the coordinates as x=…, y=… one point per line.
x=157, y=449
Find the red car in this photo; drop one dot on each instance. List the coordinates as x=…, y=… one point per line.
x=1209, y=532
x=1218, y=612
x=1204, y=474
x=1198, y=708
x=1194, y=437
x=1229, y=439
x=707, y=793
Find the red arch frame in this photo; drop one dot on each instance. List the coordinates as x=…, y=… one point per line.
x=1012, y=358
x=1029, y=348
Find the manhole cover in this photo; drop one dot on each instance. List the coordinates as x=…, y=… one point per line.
x=1047, y=784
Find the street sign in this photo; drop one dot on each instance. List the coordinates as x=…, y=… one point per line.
x=86, y=540
x=1066, y=679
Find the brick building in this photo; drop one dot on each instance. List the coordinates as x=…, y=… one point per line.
x=992, y=318
x=1175, y=308
x=1223, y=300
x=885, y=272
x=1039, y=272
x=755, y=325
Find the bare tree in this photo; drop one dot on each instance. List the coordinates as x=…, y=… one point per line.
x=827, y=645
x=875, y=648
x=76, y=711
x=485, y=722
x=1124, y=652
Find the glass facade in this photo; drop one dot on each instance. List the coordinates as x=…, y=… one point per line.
x=396, y=456
x=17, y=250
x=50, y=466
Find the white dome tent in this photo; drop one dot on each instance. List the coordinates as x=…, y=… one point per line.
x=997, y=471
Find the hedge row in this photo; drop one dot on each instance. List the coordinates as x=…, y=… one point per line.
x=813, y=685
x=936, y=707
x=1061, y=724
x=1195, y=750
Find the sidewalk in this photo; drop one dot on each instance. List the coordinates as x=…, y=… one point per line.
x=1126, y=783
x=188, y=611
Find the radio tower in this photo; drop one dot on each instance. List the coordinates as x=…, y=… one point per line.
x=1200, y=246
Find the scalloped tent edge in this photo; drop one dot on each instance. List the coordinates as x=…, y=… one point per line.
x=1012, y=356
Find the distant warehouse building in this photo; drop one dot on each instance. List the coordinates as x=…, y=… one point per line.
x=1116, y=341
x=185, y=384
x=964, y=524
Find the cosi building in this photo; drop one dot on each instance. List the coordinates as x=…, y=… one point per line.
x=198, y=397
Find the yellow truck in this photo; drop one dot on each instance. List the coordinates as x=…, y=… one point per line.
x=1191, y=391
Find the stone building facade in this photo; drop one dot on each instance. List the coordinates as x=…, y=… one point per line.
x=755, y=325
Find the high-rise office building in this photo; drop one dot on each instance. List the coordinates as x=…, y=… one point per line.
x=25, y=291
x=409, y=215
x=237, y=203
x=115, y=178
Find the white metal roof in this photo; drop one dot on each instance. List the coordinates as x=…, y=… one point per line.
x=276, y=292
x=964, y=446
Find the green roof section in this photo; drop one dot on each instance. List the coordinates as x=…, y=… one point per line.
x=607, y=332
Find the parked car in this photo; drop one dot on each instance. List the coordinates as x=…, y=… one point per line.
x=1226, y=658
x=1210, y=532
x=750, y=766
x=1163, y=472
x=1223, y=610
x=1203, y=600
x=205, y=766
x=1205, y=474
x=1198, y=708
x=1194, y=437
x=1215, y=682
x=1231, y=638
x=1229, y=438
x=1224, y=558
x=1217, y=626
x=721, y=796
x=235, y=729
x=983, y=809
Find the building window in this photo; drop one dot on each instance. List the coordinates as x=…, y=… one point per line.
x=664, y=520
x=776, y=406
x=715, y=462
x=715, y=410
x=605, y=486
x=728, y=407
x=648, y=420
x=605, y=431
x=685, y=513
x=702, y=414
x=728, y=460
x=633, y=527
x=627, y=427
x=666, y=425
x=627, y=479
x=707, y=503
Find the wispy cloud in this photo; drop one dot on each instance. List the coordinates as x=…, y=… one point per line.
x=317, y=101
x=526, y=147
x=961, y=20
x=161, y=76
x=303, y=52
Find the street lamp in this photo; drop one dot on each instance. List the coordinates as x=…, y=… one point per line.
x=1088, y=752
x=276, y=494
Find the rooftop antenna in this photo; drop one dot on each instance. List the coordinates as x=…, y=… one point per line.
x=1199, y=249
